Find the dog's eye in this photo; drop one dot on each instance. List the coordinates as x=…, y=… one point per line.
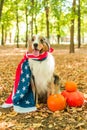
x=32, y=39
x=42, y=40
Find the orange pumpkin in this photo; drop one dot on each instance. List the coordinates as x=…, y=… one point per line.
x=56, y=102
x=73, y=99
x=70, y=86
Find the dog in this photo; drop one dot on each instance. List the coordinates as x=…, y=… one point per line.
x=43, y=78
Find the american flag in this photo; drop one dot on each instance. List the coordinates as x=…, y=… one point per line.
x=24, y=95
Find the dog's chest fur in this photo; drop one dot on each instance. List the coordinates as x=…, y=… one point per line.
x=42, y=72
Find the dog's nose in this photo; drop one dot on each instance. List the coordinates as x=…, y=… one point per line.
x=35, y=45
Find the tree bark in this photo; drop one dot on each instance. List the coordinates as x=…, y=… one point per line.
x=26, y=12
x=5, y=38
x=32, y=21
x=2, y=40
x=79, y=25
x=1, y=7
x=10, y=37
x=72, y=50
x=32, y=26
x=47, y=20
x=36, y=31
x=58, y=39
x=17, y=25
x=58, y=35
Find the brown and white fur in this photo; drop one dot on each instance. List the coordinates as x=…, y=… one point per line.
x=43, y=77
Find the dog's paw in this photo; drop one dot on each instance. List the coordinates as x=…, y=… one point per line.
x=38, y=106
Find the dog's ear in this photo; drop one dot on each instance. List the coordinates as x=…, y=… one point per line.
x=30, y=46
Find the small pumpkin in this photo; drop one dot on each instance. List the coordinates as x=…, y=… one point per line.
x=70, y=86
x=56, y=102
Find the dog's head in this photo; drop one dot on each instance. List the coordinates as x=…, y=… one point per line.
x=38, y=45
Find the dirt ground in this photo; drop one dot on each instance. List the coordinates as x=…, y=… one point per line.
x=71, y=67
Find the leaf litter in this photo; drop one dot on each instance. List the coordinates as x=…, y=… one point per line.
x=68, y=67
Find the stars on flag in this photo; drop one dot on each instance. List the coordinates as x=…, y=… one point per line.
x=27, y=102
x=23, y=80
x=27, y=76
x=21, y=95
x=18, y=91
x=24, y=88
x=17, y=102
x=14, y=97
x=26, y=67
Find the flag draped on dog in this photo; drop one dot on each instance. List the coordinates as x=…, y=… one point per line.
x=22, y=98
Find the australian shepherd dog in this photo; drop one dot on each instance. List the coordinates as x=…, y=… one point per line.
x=43, y=78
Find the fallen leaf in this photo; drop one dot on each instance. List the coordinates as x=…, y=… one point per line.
x=79, y=125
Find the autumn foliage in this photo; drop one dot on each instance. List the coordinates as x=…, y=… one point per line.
x=68, y=66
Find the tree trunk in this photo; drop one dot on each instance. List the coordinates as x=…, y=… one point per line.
x=83, y=37
x=47, y=20
x=79, y=25
x=72, y=50
x=32, y=26
x=26, y=11
x=17, y=25
x=2, y=40
x=36, y=31
x=58, y=35
x=10, y=37
x=32, y=21
x=58, y=39
x=1, y=7
x=5, y=36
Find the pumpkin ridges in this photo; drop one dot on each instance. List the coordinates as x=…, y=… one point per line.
x=73, y=99
x=56, y=102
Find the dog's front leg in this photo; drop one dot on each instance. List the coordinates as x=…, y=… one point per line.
x=34, y=89
x=36, y=97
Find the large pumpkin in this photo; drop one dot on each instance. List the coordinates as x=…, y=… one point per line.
x=70, y=86
x=65, y=94
x=74, y=99
x=56, y=102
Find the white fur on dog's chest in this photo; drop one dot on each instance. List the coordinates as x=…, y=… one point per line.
x=42, y=72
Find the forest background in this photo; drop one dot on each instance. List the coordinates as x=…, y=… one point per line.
x=61, y=21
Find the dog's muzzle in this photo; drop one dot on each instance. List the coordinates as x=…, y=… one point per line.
x=35, y=46
x=36, y=50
